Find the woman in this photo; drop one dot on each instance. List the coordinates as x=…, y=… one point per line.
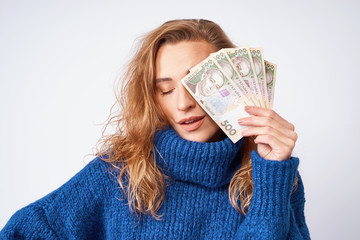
x=180, y=176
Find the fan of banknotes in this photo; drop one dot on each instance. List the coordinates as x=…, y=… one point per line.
x=227, y=81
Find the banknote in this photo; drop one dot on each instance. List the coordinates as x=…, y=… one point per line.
x=242, y=60
x=259, y=69
x=217, y=95
x=228, y=80
x=228, y=68
x=270, y=71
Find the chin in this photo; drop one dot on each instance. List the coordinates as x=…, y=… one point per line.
x=203, y=135
x=195, y=137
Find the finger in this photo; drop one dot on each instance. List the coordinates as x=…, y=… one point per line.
x=267, y=122
x=264, y=112
x=257, y=131
x=281, y=150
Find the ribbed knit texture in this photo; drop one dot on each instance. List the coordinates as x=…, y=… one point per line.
x=208, y=164
x=196, y=206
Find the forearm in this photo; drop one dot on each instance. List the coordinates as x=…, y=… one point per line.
x=271, y=215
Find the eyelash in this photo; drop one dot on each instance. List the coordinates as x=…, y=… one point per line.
x=167, y=92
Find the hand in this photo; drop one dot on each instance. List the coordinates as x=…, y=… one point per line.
x=275, y=136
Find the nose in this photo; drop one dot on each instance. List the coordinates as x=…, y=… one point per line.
x=185, y=100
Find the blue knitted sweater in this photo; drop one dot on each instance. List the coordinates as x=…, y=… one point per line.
x=196, y=206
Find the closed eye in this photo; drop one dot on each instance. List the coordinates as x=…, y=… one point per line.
x=167, y=92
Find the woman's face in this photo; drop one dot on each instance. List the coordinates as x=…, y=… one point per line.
x=173, y=62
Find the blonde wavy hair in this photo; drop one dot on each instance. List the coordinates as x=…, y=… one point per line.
x=131, y=150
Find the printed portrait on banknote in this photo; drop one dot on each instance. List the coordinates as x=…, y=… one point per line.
x=212, y=80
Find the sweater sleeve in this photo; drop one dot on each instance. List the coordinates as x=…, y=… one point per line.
x=275, y=212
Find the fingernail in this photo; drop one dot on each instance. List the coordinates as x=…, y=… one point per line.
x=247, y=108
x=241, y=120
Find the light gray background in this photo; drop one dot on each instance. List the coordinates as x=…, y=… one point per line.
x=59, y=60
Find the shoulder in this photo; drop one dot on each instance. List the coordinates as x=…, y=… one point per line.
x=92, y=183
x=93, y=180
x=29, y=222
x=80, y=198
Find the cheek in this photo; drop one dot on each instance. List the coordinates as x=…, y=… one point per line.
x=166, y=106
x=213, y=126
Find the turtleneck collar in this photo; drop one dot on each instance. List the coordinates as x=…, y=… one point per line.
x=211, y=164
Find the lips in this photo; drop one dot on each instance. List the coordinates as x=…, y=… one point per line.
x=191, y=123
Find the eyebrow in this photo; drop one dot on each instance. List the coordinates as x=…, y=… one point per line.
x=158, y=80
x=166, y=79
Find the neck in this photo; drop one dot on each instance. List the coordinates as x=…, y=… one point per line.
x=211, y=164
